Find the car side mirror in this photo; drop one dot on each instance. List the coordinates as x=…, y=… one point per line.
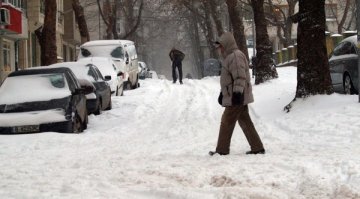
x=107, y=78
x=87, y=89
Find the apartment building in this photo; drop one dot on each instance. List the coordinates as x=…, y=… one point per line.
x=18, y=42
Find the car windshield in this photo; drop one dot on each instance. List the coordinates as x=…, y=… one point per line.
x=31, y=88
x=103, y=51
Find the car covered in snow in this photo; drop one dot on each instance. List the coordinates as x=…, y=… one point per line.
x=100, y=99
x=153, y=74
x=123, y=52
x=43, y=100
x=109, y=71
x=343, y=64
x=144, y=70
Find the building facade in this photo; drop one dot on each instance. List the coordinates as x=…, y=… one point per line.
x=19, y=45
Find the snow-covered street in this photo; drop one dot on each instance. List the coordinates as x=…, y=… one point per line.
x=154, y=143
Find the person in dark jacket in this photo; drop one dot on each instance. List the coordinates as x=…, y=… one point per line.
x=236, y=94
x=176, y=57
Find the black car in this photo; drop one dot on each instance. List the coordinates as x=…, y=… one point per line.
x=344, y=66
x=43, y=100
x=101, y=98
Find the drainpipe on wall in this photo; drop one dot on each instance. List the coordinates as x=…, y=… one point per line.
x=1, y=60
x=358, y=44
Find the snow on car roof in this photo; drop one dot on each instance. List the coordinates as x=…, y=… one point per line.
x=104, y=64
x=352, y=39
x=32, y=88
x=106, y=42
x=78, y=68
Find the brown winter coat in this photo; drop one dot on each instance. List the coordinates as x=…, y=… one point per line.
x=235, y=75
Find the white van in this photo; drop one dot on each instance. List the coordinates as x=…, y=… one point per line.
x=123, y=53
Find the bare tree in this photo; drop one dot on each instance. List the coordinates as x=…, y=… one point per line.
x=47, y=34
x=109, y=15
x=279, y=16
x=211, y=7
x=81, y=21
x=341, y=10
x=264, y=67
x=313, y=73
x=235, y=14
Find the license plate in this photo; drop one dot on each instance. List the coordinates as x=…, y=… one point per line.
x=26, y=129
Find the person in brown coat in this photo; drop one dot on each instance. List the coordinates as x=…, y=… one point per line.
x=236, y=94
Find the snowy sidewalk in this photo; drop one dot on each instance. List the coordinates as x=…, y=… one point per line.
x=154, y=144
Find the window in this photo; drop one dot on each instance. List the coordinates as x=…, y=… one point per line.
x=16, y=3
x=281, y=12
x=6, y=55
x=91, y=72
x=118, y=53
x=85, y=52
x=57, y=80
x=344, y=49
x=132, y=52
x=331, y=11
x=42, y=6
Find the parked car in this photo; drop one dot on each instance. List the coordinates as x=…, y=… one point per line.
x=43, y=100
x=144, y=70
x=123, y=52
x=212, y=67
x=153, y=75
x=344, y=66
x=100, y=99
x=109, y=71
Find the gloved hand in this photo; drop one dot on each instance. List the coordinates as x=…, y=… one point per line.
x=220, y=98
x=237, y=98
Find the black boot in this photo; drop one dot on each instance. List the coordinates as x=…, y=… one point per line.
x=262, y=151
x=211, y=153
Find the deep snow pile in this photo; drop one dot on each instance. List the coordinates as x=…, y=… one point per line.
x=154, y=144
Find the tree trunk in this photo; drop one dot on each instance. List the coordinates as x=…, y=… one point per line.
x=343, y=19
x=81, y=21
x=47, y=34
x=264, y=67
x=237, y=24
x=196, y=45
x=209, y=34
x=313, y=73
x=212, y=5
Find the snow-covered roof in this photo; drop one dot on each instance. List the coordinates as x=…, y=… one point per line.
x=336, y=35
x=78, y=68
x=104, y=64
x=106, y=42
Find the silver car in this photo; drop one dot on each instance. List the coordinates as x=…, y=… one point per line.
x=344, y=66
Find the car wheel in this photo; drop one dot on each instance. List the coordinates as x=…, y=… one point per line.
x=99, y=108
x=77, y=126
x=86, y=121
x=110, y=105
x=122, y=91
x=128, y=85
x=136, y=85
x=348, y=85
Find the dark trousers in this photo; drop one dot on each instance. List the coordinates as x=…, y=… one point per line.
x=174, y=76
x=228, y=121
